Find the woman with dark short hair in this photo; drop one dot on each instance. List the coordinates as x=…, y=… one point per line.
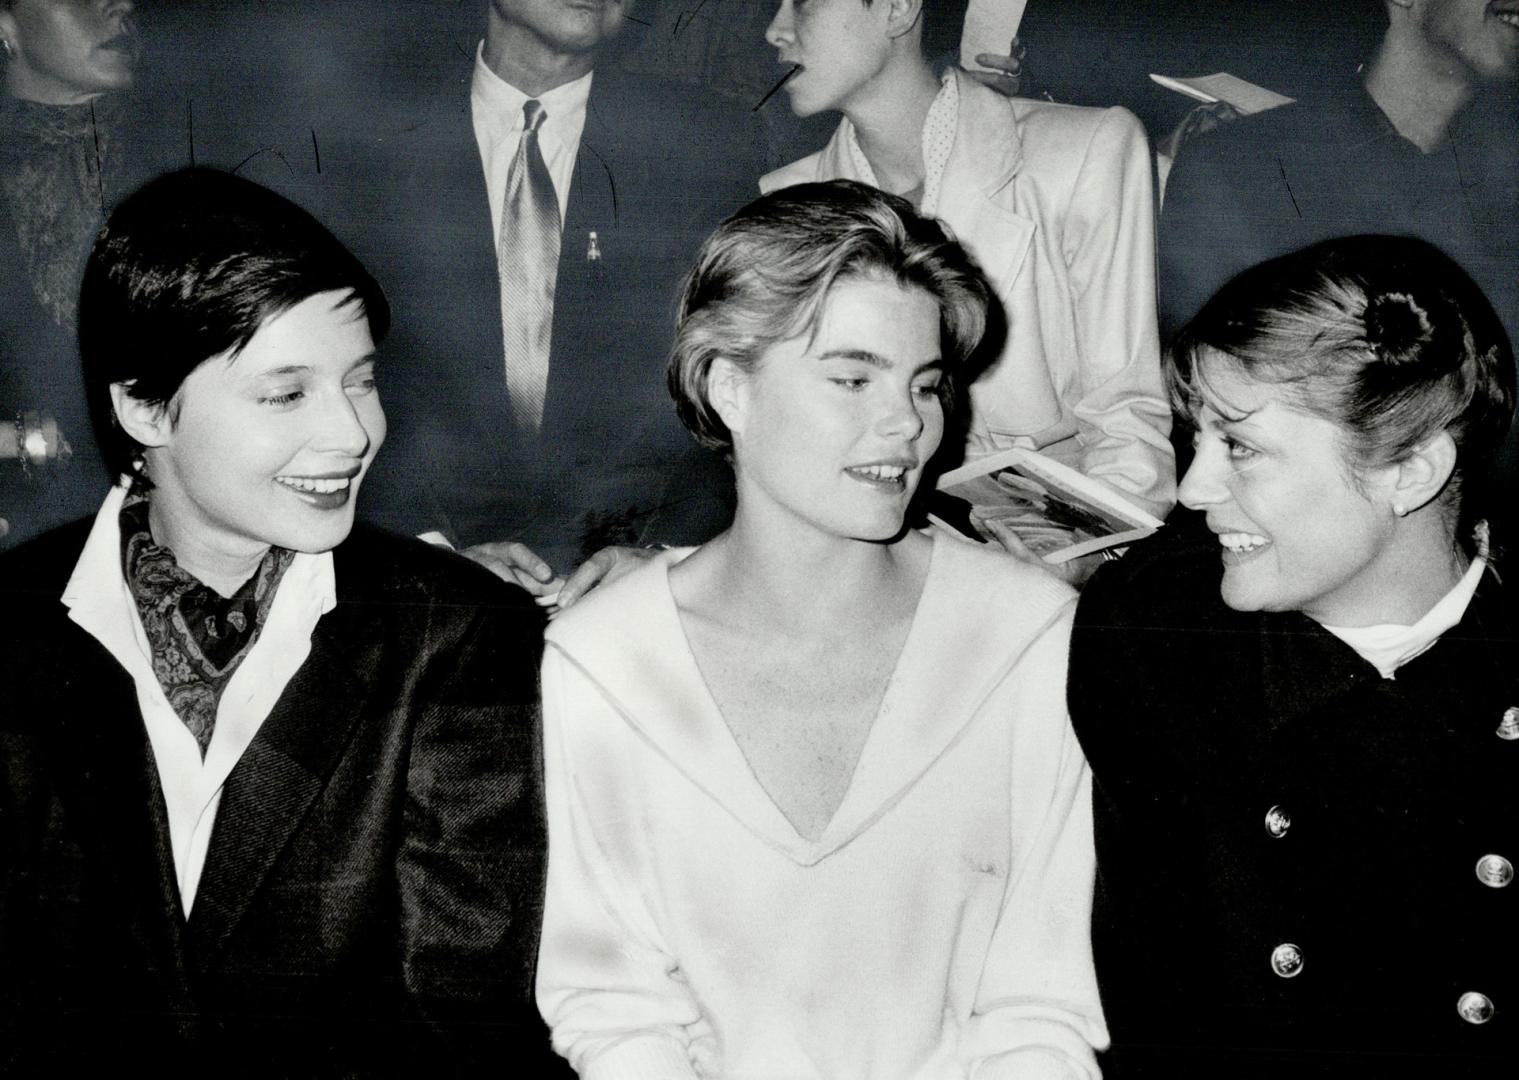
x=1304, y=722
x=267, y=795
x=815, y=808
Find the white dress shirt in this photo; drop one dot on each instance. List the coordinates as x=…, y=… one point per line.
x=496, y=109
x=100, y=601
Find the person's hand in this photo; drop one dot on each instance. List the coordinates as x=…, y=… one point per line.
x=1073, y=572
x=602, y=568
x=1007, y=78
x=516, y=564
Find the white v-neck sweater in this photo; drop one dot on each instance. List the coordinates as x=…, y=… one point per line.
x=937, y=928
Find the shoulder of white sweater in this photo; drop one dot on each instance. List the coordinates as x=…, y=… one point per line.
x=985, y=580
x=619, y=608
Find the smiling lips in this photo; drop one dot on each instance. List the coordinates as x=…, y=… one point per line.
x=323, y=492
x=890, y=475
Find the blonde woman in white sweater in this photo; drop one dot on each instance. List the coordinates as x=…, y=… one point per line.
x=815, y=807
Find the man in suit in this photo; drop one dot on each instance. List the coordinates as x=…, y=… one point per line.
x=268, y=791
x=640, y=171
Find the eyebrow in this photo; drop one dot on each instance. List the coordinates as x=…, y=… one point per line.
x=299, y=369
x=865, y=356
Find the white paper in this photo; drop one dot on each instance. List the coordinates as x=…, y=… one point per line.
x=1246, y=97
x=990, y=26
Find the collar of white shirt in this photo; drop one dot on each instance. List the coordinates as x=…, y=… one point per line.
x=496, y=110
x=1389, y=646
x=101, y=603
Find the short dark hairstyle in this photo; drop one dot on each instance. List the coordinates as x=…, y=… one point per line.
x=762, y=276
x=1386, y=336
x=189, y=267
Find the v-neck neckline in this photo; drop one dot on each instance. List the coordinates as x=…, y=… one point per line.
x=629, y=643
x=883, y=704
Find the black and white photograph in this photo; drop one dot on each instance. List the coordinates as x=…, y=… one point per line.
x=759, y=539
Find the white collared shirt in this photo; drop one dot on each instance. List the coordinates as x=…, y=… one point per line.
x=496, y=109
x=1389, y=646
x=100, y=601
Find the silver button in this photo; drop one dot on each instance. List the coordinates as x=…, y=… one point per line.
x=1278, y=821
x=1475, y=1008
x=1508, y=727
x=1286, y=960
x=1494, y=871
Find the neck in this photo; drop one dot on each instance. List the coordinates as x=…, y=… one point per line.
x=222, y=567
x=518, y=56
x=888, y=117
x=1419, y=90
x=1421, y=563
x=800, y=580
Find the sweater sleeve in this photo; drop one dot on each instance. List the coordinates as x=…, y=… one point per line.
x=609, y=990
x=1038, y=1014
x=1122, y=413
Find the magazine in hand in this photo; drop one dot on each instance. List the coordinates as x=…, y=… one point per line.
x=1059, y=513
x=1245, y=97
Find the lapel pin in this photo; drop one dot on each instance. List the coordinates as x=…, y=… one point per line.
x=592, y=249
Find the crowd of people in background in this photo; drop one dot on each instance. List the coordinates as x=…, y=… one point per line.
x=625, y=714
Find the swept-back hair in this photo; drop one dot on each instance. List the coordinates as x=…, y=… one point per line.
x=762, y=277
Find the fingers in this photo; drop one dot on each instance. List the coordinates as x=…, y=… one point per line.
x=1008, y=65
x=516, y=564
x=587, y=576
x=602, y=568
x=1008, y=539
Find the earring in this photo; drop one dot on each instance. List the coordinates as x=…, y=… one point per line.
x=1400, y=510
x=5, y=46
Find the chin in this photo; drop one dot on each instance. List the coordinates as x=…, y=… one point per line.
x=1241, y=599
x=313, y=539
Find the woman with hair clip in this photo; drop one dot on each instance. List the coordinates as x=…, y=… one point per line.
x=1304, y=723
x=815, y=808
x=268, y=802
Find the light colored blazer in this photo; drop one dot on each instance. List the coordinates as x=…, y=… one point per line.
x=1056, y=204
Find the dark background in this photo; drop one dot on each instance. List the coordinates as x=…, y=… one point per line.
x=252, y=71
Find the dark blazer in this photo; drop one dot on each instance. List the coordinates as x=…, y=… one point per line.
x=371, y=897
x=658, y=167
x=1257, y=785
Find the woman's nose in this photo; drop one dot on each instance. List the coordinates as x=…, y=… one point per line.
x=779, y=30
x=1204, y=484
x=342, y=428
x=902, y=418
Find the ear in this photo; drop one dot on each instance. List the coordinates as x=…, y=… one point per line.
x=727, y=393
x=1420, y=477
x=902, y=16
x=147, y=423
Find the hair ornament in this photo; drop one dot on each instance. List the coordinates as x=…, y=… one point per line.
x=1398, y=329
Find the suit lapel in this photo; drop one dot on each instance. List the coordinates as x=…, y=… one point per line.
x=280, y=776
x=976, y=195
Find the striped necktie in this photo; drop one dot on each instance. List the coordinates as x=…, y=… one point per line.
x=528, y=254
